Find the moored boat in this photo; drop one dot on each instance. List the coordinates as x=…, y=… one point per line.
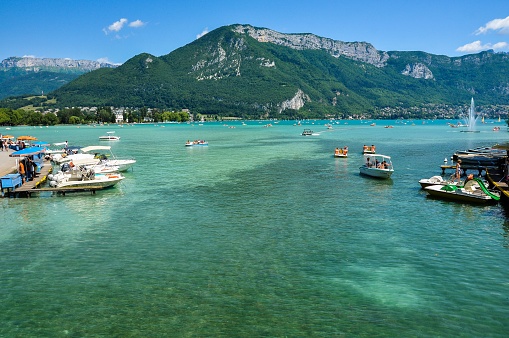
x=474, y=191
x=111, y=160
x=436, y=180
x=82, y=179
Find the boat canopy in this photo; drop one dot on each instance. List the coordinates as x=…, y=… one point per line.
x=40, y=144
x=379, y=156
x=28, y=152
x=94, y=148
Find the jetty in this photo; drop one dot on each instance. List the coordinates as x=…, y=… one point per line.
x=16, y=188
x=466, y=167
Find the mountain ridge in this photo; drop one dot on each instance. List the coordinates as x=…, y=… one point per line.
x=248, y=71
x=30, y=75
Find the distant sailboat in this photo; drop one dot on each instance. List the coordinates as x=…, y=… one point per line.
x=498, y=118
x=482, y=119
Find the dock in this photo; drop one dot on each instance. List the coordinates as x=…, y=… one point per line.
x=466, y=167
x=36, y=185
x=496, y=179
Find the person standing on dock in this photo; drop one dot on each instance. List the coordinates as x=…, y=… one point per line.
x=458, y=171
x=21, y=171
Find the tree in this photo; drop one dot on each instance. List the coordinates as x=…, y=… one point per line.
x=50, y=119
x=74, y=120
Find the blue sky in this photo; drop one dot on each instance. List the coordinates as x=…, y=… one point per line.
x=118, y=30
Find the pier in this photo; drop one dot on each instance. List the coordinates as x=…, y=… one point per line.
x=466, y=167
x=28, y=188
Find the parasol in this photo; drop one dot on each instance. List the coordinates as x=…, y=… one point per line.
x=27, y=152
x=27, y=138
x=7, y=136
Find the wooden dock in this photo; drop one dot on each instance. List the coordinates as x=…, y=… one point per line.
x=35, y=186
x=496, y=179
x=466, y=167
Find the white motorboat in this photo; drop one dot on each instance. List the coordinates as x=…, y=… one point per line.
x=474, y=191
x=377, y=165
x=109, y=136
x=111, y=160
x=307, y=132
x=82, y=179
x=437, y=180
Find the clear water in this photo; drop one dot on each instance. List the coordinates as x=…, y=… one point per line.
x=262, y=233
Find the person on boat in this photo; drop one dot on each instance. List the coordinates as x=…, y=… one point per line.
x=373, y=148
x=469, y=178
x=345, y=150
x=458, y=171
x=368, y=164
x=336, y=152
x=365, y=148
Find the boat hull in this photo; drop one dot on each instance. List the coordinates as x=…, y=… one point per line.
x=376, y=172
x=459, y=195
x=108, y=181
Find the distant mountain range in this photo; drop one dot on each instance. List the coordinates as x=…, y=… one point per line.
x=241, y=70
x=29, y=75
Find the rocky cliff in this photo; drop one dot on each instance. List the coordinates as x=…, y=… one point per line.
x=38, y=64
x=359, y=51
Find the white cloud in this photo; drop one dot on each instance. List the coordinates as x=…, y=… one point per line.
x=477, y=46
x=500, y=45
x=500, y=25
x=117, y=25
x=137, y=24
x=205, y=31
x=29, y=56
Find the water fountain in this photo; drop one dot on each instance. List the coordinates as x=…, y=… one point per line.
x=472, y=119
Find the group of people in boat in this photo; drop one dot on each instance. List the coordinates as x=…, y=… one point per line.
x=341, y=151
x=377, y=164
x=367, y=149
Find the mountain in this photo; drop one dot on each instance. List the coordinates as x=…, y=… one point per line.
x=28, y=75
x=241, y=70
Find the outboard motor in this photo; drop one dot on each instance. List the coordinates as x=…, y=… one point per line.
x=65, y=167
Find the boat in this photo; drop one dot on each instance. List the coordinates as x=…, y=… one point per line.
x=474, y=191
x=341, y=152
x=307, y=132
x=369, y=150
x=108, y=160
x=377, y=165
x=481, y=156
x=82, y=178
x=196, y=143
x=439, y=180
x=109, y=137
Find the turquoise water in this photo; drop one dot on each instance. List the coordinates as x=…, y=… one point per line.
x=262, y=233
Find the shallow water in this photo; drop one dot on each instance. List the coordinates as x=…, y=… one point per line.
x=262, y=233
